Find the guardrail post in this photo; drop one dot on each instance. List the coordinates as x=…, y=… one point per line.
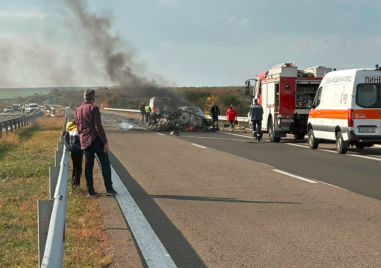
x=1, y=130
x=11, y=121
x=44, y=213
x=15, y=123
x=53, y=178
x=18, y=123
x=6, y=127
x=59, y=153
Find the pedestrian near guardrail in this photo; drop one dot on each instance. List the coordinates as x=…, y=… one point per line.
x=231, y=115
x=214, y=113
x=142, y=109
x=93, y=141
x=73, y=144
x=148, y=111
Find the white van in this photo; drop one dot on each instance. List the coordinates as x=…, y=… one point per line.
x=347, y=109
x=31, y=107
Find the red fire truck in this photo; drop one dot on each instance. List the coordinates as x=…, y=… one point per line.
x=286, y=94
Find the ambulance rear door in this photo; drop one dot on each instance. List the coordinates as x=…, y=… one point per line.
x=367, y=104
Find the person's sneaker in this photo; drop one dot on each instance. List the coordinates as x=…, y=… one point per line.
x=93, y=194
x=111, y=192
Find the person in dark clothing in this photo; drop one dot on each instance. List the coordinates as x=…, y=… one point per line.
x=93, y=141
x=214, y=113
x=73, y=144
x=142, y=109
x=256, y=112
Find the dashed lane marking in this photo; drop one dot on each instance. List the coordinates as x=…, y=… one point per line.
x=199, y=146
x=294, y=176
x=298, y=145
x=366, y=157
x=161, y=134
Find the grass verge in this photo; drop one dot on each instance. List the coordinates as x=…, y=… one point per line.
x=25, y=157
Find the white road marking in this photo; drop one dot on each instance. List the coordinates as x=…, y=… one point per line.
x=329, y=151
x=198, y=145
x=212, y=138
x=294, y=176
x=154, y=252
x=333, y=185
x=161, y=134
x=298, y=145
x=366, y=157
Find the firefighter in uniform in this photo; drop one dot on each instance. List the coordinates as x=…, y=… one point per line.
x=256, y=112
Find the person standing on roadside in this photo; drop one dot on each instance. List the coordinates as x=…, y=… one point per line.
x=73, y=144
x=148, y=112
x=23, y=108
x=214, y=113
x=256, y=112
x=142, y=109
x=231, y=115
x=93, y=141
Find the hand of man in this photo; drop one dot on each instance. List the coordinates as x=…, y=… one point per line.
x=105, y=149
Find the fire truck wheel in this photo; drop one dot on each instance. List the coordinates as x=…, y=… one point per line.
x=299, y=136
x=312, y=142
x=341, y=145
x=272, y=132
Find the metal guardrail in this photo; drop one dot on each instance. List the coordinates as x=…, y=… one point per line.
x=221, y=118
x=52, y=213
x=8, y=125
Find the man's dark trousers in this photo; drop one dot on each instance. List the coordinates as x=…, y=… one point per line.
x=97, y=148
x=257, y=126
x=147, y=116
x=77, y=167
x=143, y=115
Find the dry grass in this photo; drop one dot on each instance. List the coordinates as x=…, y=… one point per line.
x=24, y=160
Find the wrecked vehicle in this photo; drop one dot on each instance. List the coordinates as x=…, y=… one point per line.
x=183, y=119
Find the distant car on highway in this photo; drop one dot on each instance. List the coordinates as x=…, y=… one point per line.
x=31, y=107
x=16, y=107
x=9, y=109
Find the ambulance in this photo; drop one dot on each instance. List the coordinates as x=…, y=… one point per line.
x=347, y=110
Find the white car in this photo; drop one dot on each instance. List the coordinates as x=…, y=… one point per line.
x=9, y=109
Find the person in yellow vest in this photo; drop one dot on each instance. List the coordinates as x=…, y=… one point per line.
x=148, y=112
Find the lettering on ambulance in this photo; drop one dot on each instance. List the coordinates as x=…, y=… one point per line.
x=372, y=79
x=338, y=79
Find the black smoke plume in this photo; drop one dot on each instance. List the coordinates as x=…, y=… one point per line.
x=116, y=57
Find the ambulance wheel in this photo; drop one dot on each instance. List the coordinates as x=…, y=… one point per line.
x=360, y=146
x=312, y=142
x=341, y=145
x=272, y=132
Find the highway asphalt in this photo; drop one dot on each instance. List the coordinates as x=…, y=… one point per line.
x=224, y=200
x=358, y=171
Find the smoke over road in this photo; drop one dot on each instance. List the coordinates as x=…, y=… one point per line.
x=117, y=59
x=77, y=48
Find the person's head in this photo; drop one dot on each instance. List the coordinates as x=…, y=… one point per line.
x=73, y=121
x=231, y=106
x=142, y=103
x=214, y=104
x=89, y=95
x=255, y=101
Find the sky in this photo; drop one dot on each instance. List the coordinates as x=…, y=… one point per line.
x=191, y=42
